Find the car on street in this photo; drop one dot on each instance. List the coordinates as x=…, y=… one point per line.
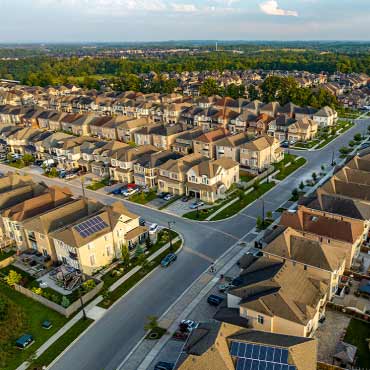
x=214, y=300
x=161, y=365
x=190, y=324
x=168, y=197
x=153, y=228
x=168, y=259
x=196, y=204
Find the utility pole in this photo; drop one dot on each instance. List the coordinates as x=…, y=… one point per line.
x=83, y=187
x=82, y=304
x=332, y=159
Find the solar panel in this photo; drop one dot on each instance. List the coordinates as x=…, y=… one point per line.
x=90, y=226
x=257, y=357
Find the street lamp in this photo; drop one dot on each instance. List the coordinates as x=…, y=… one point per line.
x=170, y=223
x=82, y=304
x=263, y=212
x=332, y=159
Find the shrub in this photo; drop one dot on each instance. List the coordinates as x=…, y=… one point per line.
x=357, y=137
x=37, y=290
x=13, y=278
x=88, y=285
x=65, y=302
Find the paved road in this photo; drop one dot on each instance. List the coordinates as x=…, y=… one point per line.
x=109, y=341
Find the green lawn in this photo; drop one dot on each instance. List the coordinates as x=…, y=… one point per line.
x=306, y=145
x=96, y=185
x=244, y=201
x=61, y=344
x=24, y=316
x=134, y=279
x=143, y=198
x=357, y=333
x=246, y=177
x=286, y=171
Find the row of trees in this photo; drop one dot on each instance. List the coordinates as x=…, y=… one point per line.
x=44, y=70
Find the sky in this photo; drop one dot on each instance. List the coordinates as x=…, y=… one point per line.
x=157, y=20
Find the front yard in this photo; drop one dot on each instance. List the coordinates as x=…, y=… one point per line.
x=143, y=198
x=20, y=315
x=96, y=185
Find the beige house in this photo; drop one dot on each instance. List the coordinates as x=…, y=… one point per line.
x=230, y=146
x=326, y=117
x=123, y=161
x=278, y=297
x=210, y=179
x=95, y=240
x=37, y=229
x=260, y=153
x=173, y=173
x=227, y=345
x=206, y=144
x=302, y=130
x=321, y=261
x=126, y=129
x=344, y=233
x=14, y=217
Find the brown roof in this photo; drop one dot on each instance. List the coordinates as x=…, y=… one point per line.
x=212, y=136
x=260, y=143
x=334, y=228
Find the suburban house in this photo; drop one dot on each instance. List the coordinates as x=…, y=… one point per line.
x=230, y=146
x=55, y=122
x=165, y=136
x=44, y=148
x=96, y=125
x=302, y=130
x=321, y=261
x=183, y=143
x=347, y=234
x=326, y=117
x=94, y=241
x=278, y=297
x=144, y=136
x=126, y=129
x=173, y=173
x=210, y=179
x=206, y=143
x=37, y=229
x=122, y=163
x=13, y=217
x=258, y=154
x=230, y=345
x=279, y=127
x=146, y=168
x=19, y=141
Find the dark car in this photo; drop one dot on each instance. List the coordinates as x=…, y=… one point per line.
x=117, y=191
x=161, y=365
x=162, y=195
x=24, y=341
x=214, y=300
x=141, y=221
x=38, y=162
x=185, y=198
x=285, y=144
x=168, y=259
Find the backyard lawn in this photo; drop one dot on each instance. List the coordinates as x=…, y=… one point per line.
x=21, y=315
x=357, y=333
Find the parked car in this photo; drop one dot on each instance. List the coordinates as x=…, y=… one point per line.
x=255, y=252
x=24, y=341
x=285, y=144
x=292, y=142
x=161, y=365
x=162, y=195
x=364, y=145
x=38, y=162
x=190, y=324
x=117, y=191
x=168, y=259
x=141, y=221
x=185, y=198
x=130, y=191
x=214, y=300
x=168, y=197
x=62, y=174
x=196, y=204
x=153, y=228
x=179, y=335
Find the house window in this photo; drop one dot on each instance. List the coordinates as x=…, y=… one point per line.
x=109, y=251
x=92, y=260
x=305, y=267
x=260, y=319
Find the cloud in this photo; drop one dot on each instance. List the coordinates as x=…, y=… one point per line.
x=271, y=7
x=184, y=8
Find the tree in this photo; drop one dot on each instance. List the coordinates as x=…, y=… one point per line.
x=148, y=243
x=125, y=256
x=28, y=159
x=343, y=150
x=357, y=137
x=301, y=185
x=53, y=172
x=209, y=87
x=351, y=143
x=259, y=222
x=256, y=185
x=234, y=91
x=252, y=93
x=139, y=251
x=152, y=323
x=295, y=193
x=269, y=215
x=314, y=176
x=13, y=278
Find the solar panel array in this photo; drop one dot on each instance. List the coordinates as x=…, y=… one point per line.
x=90, y=226
x=258, y=357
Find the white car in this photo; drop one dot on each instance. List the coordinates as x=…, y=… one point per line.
x=129, y=192
x=153, y=228
x=70, y=176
